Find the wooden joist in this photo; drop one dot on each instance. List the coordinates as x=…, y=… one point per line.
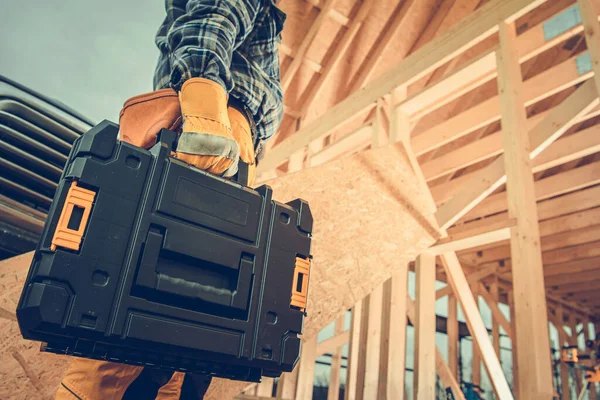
x=556, y=185
x=564, y=150
x=475, y=28
x=541, y=136
x=543, y=85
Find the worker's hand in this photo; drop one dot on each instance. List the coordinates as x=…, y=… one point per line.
x=215, y=137
x=143, y=116
x=207, y=140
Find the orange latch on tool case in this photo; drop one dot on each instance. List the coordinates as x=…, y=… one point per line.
x=569, y=355
x=73, y=218
x=300, y=284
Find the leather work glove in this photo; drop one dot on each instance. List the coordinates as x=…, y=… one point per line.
x=143, y=116
x=214, y=137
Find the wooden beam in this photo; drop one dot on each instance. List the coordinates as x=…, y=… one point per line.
x=535, y=380
x=475, y=28
x=473, y=241
x=333, y=393
x=493, y=176
x=440, y=93
x=478, y=330
x=425, y=327
x=289, y=73
x=397, y=332
x=306, y=369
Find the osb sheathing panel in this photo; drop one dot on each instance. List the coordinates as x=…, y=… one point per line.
x=370, y=217
x=25, y=373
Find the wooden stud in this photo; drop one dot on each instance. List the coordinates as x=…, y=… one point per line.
x=453, y=338
x=265, y=388
x=441, y=367
x=333, y=392
x=356, y=359
x=306, y=369
x=564, y=368
x=495, y=297
x=373, y=343
x=460, y=287
x=397, y=333
x=515, y=359
x=497, y=316
x=535, y=380
x=384, y=349
x=476, y=360
x=425, y=326
x=286, y=386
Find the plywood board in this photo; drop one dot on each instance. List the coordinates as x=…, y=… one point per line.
x=25, y=372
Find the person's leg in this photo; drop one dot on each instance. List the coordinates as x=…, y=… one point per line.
x=93, y=379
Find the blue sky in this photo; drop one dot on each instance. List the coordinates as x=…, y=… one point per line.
x=91, y=55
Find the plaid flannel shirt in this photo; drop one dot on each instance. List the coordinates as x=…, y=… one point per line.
x=232, y=42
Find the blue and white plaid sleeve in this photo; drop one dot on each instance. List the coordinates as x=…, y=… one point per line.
x=232, y=42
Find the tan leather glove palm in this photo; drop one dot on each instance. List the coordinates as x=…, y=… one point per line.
x=207, y=140
x=214, y=137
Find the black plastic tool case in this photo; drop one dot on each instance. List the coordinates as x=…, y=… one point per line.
x=175, y=269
